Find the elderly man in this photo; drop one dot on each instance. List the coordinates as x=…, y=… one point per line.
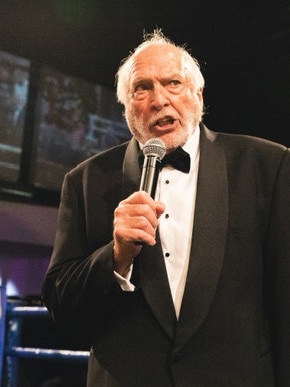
x=189, y=288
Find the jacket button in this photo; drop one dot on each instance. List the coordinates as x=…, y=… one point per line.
x=177, y=357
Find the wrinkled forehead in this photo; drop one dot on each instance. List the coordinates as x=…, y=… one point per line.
x=157, y=58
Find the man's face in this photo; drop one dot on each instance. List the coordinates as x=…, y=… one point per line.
x=162, y=101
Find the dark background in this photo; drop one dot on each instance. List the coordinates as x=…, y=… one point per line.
x=243, y=47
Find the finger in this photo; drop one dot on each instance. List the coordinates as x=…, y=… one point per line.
x=127, y=235
x=136, y=214
x=139, y=197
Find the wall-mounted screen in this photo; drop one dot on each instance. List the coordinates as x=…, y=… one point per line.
x=14, y=84
x=74, y=119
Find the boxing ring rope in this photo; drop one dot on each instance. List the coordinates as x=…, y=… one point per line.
x=11, y=316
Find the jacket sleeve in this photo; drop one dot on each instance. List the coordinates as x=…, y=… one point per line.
x=277, y=277
x=79, y=286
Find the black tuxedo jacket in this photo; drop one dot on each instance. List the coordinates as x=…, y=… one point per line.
x=234, y=325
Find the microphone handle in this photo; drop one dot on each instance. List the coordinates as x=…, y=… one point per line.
x=150, y=173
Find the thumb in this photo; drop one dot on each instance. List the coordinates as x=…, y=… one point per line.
x=160, y=208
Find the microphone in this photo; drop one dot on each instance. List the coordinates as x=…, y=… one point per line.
x=154, y=150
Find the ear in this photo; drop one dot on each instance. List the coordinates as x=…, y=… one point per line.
x=199, y=94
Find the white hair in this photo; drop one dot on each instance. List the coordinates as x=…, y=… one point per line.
x=191, y=65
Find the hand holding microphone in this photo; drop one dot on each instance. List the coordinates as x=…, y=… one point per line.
x=136, y=218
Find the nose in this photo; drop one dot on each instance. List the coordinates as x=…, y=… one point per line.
x=159, y=97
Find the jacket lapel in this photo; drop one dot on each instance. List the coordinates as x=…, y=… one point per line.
x=155, y=286
x=153, y=276
x=209, y=234
x=131, y=170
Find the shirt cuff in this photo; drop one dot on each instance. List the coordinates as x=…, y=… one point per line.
x=124, y=282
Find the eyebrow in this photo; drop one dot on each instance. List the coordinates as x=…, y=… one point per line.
x=162, y=79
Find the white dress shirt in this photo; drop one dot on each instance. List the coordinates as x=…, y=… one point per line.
x=177, y=190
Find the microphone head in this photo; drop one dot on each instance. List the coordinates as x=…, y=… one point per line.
x=154, y=147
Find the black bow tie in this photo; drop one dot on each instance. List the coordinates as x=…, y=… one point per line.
x=179, y=159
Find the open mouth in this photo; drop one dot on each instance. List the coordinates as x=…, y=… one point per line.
x=165, y=121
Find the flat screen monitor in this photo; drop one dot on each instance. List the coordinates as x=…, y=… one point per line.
x=74, y=119
x=14, y=85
